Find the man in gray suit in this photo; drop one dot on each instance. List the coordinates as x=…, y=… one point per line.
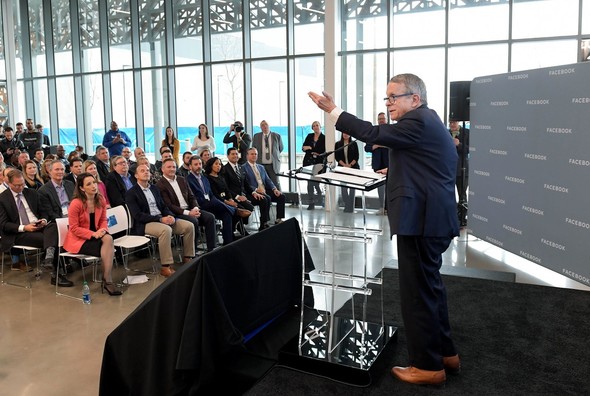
x=56, y=194
x=269, y=145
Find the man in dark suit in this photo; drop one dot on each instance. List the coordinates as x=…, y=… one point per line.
x=75, y=170
x=119, y=181
x=234, y=179
x=202, y=191
x=179, y=198
x=379, y=161
x=269, y=145
x=152, y=217
x=21, y=223
x=422, y=212
x=102, y=162
x=55, y=195
x=261, y=187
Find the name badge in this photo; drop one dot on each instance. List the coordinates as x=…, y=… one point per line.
x=64, y=210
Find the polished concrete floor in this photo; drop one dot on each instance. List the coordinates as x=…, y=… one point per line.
x=52, y=345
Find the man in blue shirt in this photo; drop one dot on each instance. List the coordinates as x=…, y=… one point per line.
x=115, y=140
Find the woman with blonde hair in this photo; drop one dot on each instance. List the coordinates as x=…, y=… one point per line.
x=172, y=143
x=31, y=175
x=89, y=166
x=45, y=167
x=203, y=141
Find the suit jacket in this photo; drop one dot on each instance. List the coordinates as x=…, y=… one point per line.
x=102, y=168
x=251, y=178
x=318, y=148
x=421, y=180
x=139, y=208
x=276, y=145
x=116, y=189
x=79, y=221
x=9, y=217
x=379, y=156
x=49, y=203
x=199, y=192
x=353, y=153
x=171, y=199
x=70, y=177
x=244, y=145
x=234, y=183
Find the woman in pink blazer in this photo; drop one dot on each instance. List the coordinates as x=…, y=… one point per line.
x=88, y=233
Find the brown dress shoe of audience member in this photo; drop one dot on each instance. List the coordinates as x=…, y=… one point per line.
x=452, y=364
x=186, y=260
x=166, y=271
x=417, y=376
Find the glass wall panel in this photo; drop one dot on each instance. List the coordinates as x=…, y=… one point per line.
x=124, y=104
x=309, y=27
x=269, y=101
x=188, y=34
x=190, y=104
x=419, y=28
x=18, y=42
x=468, y=62
x=586, y=17
x=155, y=109
x=228, y=98
x=89, y=35
x=66, y=113
x=120, y=35
x=269, y=28
x=482, y=23
x=544, y=18
x=367, y=27
x=41, y=100
x=419, y=62
x=309, y=75
x=22, y=109
x=226, y=30
x=94, y=122
x=539, y=54
x=152, y=31
x=62, y=36
x=2, y=56
x=37, y=40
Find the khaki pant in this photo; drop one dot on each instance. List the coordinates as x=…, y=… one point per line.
x=164, y=234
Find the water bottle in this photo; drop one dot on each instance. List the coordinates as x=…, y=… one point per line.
x=86, y=293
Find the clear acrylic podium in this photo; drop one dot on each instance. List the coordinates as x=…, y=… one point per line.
x=340, y=346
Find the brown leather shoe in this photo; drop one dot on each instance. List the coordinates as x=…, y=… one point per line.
x=20, y=266
x=452, y=364
x=417, y=376
x=166, y=271
x=186, y=260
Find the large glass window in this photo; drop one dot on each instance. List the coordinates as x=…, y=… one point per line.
x=188, y=34
x=269, y=30
x=62, y=37
x=586, y=17
x=120, y=34
x=155, y=109
x=483, y=23
x=369, y=29
x=190, y=103
x=544, y=18
x=37, y=39
x=226, y=30
x=539, y=54
x=309, y=27
x=94, y=122
x=89, y=35
x=419, y=27
x=66, y=111
x=468, y=62
x=123, y=102
x=41, y=103
x=228, y=94
x=152, y=32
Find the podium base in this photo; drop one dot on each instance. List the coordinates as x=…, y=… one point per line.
x=350, y=360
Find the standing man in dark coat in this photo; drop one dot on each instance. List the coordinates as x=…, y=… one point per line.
x=422, y=212
x=379, y=162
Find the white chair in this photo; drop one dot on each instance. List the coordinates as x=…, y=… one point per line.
x=118, y=222
x=62, y=230
x=26, y=249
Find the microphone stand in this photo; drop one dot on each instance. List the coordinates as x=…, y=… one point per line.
x=324, y=156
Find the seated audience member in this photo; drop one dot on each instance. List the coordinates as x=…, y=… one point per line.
x=31, y=175
x=126, y=153
x=138, y=153
x=89, y=166
x=205, y=155
x=185, y=169
x=213, y=169
x=103, y=165
x=39, y=158
x=152, y=217
x=257, y=180
x=207, y=201
x=22, y=224
x=9, y=144
x=119, y=181
x=60, y=152
x=164, y=151
x=45, y=167
x=88, y=231
x=75, y=169
x=179, y=198
x=234, y=176
x=80, y=151
x=3, y=185
x=144, y=161
x=22, y=158
x=55, y=195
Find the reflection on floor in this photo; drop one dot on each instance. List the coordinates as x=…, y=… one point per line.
x=53, y=345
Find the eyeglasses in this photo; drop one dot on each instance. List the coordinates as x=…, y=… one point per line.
x=121, y=163
x=393, y=98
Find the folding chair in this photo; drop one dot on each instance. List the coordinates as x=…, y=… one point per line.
x=118, y=221
x=62, y=230
x=26, y=249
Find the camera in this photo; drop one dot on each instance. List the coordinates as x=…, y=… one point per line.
x=238, y=128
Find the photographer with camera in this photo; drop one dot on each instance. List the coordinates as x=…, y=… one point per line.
x=239, y=139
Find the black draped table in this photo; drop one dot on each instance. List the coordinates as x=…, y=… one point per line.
x=174, y=341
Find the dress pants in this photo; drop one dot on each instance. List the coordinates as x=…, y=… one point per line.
x=264, y=204
x=223, y=213
x=423, y=299
x=270, y=170
x=280, y=200
x=207, y=221
x=47, y=237
x=164, y=234
x=348, y=198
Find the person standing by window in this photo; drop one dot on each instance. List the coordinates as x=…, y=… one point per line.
x=347, y=157
x=314, y=144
